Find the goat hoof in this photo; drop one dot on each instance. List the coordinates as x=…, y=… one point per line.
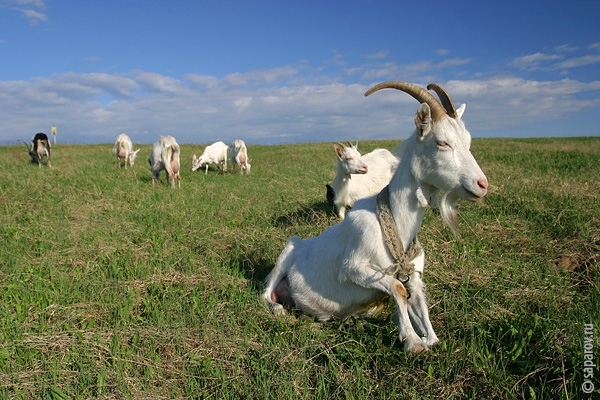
x=415, y=346
x=431, y=340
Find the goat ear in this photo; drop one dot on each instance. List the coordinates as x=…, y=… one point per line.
x=423, y=120
x=460, y=110
x=338, y=151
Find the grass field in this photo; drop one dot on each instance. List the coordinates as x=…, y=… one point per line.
x=113, y=288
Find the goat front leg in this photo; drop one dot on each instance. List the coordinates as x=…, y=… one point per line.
x=417, y=303
x=371, y=277
x=412, y=342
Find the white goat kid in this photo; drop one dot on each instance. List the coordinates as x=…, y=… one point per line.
x=359, y=176
x=346, y=270
x=215, y=153
x=165, y=156
x=123, y=150
x=238, y=155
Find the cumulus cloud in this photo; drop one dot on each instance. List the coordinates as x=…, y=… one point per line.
x=290, y=103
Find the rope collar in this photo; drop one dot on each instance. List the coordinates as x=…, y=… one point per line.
x=403, y=261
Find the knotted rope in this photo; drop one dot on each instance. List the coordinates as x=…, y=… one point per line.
x=403, y=265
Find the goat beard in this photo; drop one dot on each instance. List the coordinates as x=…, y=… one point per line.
x=447, y=204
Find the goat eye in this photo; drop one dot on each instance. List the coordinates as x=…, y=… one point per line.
x=443, y=144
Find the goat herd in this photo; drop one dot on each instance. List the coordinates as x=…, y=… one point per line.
x=165, y=157
x=354, y=266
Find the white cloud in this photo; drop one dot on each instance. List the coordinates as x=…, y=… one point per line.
x=31, y=9
x=578, y=62
x=379, y=55
x=534, y=61
x=159, y=83
x=273, y=105
x=33, y=16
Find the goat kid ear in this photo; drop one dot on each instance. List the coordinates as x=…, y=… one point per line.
x=423, y=120
x=338, y=150
x=460, y=110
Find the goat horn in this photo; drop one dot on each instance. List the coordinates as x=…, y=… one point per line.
x=419, y=93
x=342, y=144
x=350, y=143
x=445, y=98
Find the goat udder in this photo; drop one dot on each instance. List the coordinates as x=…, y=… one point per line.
x=175, y=167
x=282, y=295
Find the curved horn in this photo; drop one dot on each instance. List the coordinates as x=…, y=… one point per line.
x=419, y=93
x=445, y=98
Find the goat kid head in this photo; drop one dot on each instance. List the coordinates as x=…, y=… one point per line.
x=196, y=162
x=132, y=157
x=350, y=158
x=439, y=150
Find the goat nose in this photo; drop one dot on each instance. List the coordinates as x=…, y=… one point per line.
x=483, y=183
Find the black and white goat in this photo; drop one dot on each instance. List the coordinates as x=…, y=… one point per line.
x=40, y=149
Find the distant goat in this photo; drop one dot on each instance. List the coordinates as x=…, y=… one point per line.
x=359, y=176
x=353, y=267
x=123, y=149
x=238, y=155
x=40, y=149
x=165, y=156
x=215, y=153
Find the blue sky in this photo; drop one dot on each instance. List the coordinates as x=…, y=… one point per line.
x=282, y=71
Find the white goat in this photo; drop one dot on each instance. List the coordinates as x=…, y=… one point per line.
x=215, y=153
x=359, y=176
x=123, y=149
x=165, y=156
x=238, y=155
x=40, y=149
x=346, y=270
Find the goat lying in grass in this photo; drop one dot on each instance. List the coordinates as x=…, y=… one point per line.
x=359, y=176
x=349, y=270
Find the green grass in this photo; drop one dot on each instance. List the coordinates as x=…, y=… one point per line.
x=113, y=288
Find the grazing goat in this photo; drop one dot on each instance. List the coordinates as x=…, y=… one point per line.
x=123, y=149
x=359, y=176
x=352, y=267
x=238, y=155
x=40, y=149
x=215, y=153
x=165, y=156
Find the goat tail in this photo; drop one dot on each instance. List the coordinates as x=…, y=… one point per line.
x=278, y=274
x=171, y=152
